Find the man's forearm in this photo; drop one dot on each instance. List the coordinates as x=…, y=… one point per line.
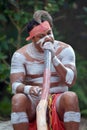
x=66, y=74
x=20, y=88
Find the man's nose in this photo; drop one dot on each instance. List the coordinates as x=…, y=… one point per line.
x=47, y=38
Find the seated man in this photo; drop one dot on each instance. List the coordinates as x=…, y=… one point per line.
x=27, y=68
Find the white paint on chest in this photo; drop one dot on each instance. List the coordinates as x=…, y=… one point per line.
x=34, y=67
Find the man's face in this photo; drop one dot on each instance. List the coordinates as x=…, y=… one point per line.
x=40, y=39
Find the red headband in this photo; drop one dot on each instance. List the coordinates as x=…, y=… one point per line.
x=45, y=26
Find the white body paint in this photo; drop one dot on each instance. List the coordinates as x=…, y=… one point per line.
x=56, y=61
x=72, y=116
x=16, y=117
x=27, y=89
x=15, y=86
x=17, y=63
x=36, y=66
x=69, y=76
x=41, y=41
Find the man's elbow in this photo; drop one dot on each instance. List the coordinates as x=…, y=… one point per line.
x=70, y=78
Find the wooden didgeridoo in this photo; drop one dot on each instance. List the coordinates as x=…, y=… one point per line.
x=42, y=106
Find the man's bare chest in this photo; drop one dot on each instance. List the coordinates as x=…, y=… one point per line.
x=35, y=67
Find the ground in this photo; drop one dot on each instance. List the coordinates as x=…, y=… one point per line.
x=6, y=125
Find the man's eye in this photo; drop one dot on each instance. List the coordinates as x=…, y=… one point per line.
x=48, y=33
x=41, y=36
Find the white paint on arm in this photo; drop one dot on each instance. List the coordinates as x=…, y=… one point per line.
x=15, y=85
x=17, y=66
x=69, y=76
x=68, y=58
x=17, y=63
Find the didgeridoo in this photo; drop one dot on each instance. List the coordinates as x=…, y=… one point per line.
x=42, y=106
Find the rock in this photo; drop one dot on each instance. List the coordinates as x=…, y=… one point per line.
x=5, y=125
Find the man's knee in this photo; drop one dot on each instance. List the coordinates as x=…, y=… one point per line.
x=19, y=102
x=68, y=109
x=70, y=100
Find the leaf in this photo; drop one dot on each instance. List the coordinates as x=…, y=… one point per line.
x=3, y=18
x=2, y=56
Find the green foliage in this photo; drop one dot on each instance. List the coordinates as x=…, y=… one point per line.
x=5, y=107
x=3, y=18
x=84, y=113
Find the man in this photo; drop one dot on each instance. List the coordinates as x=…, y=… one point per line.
x=27, y=67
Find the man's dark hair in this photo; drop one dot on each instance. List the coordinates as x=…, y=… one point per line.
x=31, y=24
x=39, y=17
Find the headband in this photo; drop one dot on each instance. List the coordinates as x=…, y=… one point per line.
x=39, y=29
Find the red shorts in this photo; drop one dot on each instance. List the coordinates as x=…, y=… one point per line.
x=56, y=123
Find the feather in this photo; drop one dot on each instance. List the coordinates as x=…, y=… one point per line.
x=41, y=15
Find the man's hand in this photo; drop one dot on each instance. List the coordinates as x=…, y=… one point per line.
x=35, y=91
x=49, y=46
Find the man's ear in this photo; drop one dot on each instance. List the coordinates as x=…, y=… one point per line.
x=33, y=39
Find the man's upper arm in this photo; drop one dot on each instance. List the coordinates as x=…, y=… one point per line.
x=17, y=73
x=68, y=57
x=17, y=63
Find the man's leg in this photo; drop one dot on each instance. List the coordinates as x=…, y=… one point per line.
x=19, y=116
x=68, y=110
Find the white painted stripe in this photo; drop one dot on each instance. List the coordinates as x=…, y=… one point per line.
x=58, y=89
x=69, y=76
x=17, y=63
x=72, y=116
x=68, y=56
x=14, y=86
x=56, y=61
x=27, y=89
x=40, y=79
x=34, y=68
x=19, y=117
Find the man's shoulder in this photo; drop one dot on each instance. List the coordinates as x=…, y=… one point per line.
x=62, y=46
x=21, y=51
x=61, y=43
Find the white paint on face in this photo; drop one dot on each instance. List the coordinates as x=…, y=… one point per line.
x=42, y=40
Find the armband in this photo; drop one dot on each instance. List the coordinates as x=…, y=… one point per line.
x=15, y=85
x=69, y=76
x=27, y=89
x=16, y=117
x=56, y=61
x=72, y=116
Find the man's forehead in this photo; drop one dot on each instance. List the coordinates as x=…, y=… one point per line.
x=44, y=32
x=40, y=29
